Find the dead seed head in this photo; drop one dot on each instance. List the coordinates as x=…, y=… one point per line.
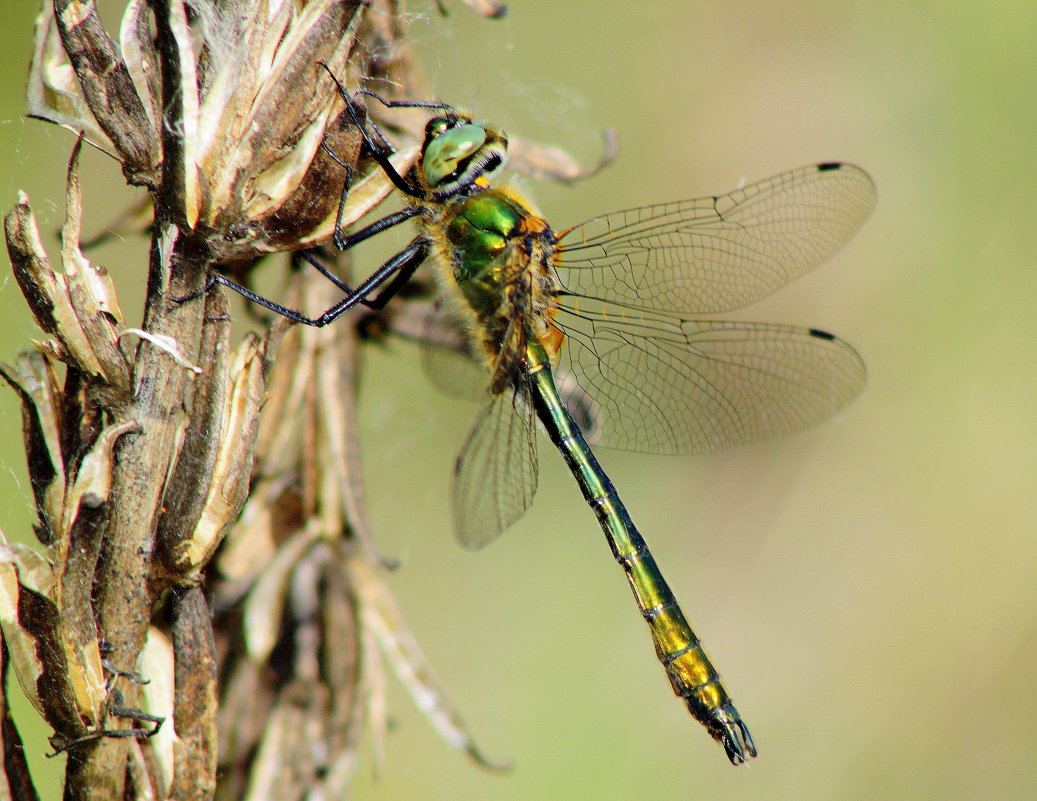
x=219, y=108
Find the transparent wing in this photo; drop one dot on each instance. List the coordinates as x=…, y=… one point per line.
x=663, y=384
x=719, y=253
x=455, y=371
x=496, y=474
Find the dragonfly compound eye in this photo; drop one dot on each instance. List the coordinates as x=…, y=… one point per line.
x=447, y=154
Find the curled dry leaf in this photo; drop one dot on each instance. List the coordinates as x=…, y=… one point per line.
x=79, y=80
x=77, y=306
x=62, y=678
x=381, y=616
x=156, y=662
x=240, y=416
x=57, y=656
x=36, y=382
x=550, y=161
x=94, y=478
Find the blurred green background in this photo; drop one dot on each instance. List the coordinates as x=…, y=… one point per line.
x=868, y=587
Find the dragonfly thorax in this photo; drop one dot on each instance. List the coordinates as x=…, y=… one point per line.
x=498, y=253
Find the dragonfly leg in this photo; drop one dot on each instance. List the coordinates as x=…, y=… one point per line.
x=396, y=271
x=345, y=242
x=380, y=151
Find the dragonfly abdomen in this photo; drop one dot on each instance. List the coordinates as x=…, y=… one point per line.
x=689, y=669
x=691, y=674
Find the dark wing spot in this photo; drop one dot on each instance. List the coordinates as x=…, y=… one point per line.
x=830, y=165
x=817, y=332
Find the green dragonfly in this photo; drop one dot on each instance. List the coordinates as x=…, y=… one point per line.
x=611, y=305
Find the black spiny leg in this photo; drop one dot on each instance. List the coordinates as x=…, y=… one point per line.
x=380, y=151
x=399, y=269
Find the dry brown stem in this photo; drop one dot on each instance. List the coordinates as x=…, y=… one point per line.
x=160, y=491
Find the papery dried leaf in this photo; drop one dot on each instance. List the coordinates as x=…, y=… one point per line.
x=291, y=378
x=166, y=343
x=44, y=290
x=230, y=474
x=180, y=143
x=382, y=618
x=550, y=161
x=245, y=704
x=94, y=477
x=264, y=609
x=63, y=679
x=156, y=664
x=28, y=668
x=221, y=142
x=372, y=672
x=53, y=91
x=364, y=196
x=255, y=115
x=337, y=448
x=78, y=307
x=15, y=781
x=35, y=572
x=141, y=58
x=341, y=657
x=248, y=546
x=97, y=288
x=286, y=759
x=108, y=88
x=308, y=202
x=35, y=381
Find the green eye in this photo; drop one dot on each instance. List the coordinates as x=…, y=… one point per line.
x=444, y=154
x=436, y=127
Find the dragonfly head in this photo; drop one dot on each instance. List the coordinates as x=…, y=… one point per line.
x=458, y=153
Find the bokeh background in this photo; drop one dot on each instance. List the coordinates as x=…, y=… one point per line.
x=868, y=588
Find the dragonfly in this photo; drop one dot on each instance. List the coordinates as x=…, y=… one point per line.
x=613, y=307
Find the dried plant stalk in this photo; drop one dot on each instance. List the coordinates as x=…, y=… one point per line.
x=155, y=487
x=160, y=490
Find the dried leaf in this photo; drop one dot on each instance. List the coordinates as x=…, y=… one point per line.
x=78, y=307
x=382, y=618
x=36, y=383
x=227, y=489
x=552, y=162
x=264, y=610
x=63, y=679
x=107, y=87
x=364, y=195
x=156, y=663
x=53, y=92
x=94, y=478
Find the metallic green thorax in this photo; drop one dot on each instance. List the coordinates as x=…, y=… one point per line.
x=482, y=227
x=691, y=674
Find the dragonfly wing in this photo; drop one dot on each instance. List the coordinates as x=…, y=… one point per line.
x=666, y=385
x=449, y=361
x=715, y=254
x=496, y=473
